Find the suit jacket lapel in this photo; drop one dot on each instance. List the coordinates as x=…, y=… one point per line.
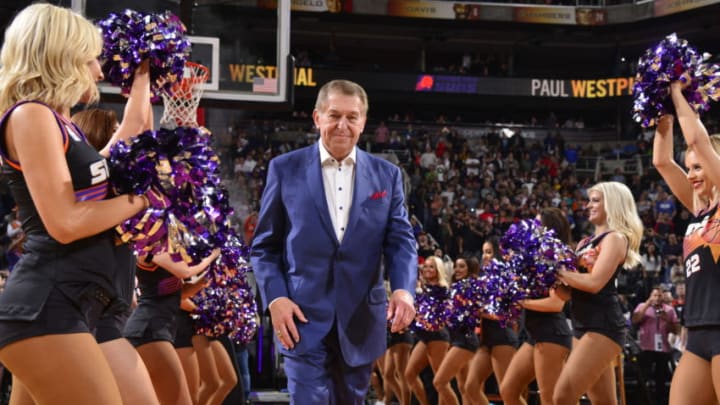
x=361, y=190
x=316, y=188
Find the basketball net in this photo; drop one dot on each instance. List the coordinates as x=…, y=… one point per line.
x=181, y=106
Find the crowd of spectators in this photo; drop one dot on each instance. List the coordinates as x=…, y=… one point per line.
x=462, y=191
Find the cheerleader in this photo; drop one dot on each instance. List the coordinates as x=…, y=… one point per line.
x=543, y=355
x=497, y=344
x=463, y=340
x=64, y=280
x=393, y=363
x=696, y=379
x=598, y=321
x=152, y=326
x=102, y=129
x=432, y=344
x=183, y=338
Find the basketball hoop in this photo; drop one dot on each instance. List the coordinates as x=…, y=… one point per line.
x=181, y=106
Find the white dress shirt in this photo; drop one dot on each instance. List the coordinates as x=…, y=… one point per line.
x=338, y=181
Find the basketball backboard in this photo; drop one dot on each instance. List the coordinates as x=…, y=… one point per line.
x=246, y=48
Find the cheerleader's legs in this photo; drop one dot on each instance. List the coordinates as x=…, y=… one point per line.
x=399, y=357
x=519, y=374
x=130, y=373
x=549, y=359
x=693, y=380
x=62, y=369
x=455, y=361
x=417, y=362
x=479, y=370
x=217, y=375
x=19, y=394
x=166, y=372
x=226, y=371
x=189, y=361
x=588, y=369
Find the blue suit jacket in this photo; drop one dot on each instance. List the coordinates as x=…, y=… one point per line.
x=296, y=254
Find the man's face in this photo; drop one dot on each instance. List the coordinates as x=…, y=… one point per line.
x=341, y=120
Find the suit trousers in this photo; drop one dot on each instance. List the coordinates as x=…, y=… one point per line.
x=321, y=377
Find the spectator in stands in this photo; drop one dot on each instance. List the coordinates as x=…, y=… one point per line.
x=655, y=321
x=678, y=304
x=652, y=262
x=618, y=175
x=664, y=204
x=428, y=159
x=677, y=271
x=382, y=137
x=664, y=225
x=681, y=221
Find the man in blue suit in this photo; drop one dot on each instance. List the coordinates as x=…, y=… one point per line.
x=329, y=215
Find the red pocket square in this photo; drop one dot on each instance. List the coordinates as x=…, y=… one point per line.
x=378, y=195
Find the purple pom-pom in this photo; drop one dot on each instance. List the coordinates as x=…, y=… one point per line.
x=181, y=164
x=465, y=304
x=671, y=60
x=536, y=256
x=500, y=291
x=131, y=37
x=227, y=305
x=432, y=308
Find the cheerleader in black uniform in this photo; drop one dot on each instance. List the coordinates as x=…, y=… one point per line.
x=543, y=355
x=208, y=368
x=463, y=340
x=497, y=344
x=432, y=345
x=152, y=325
x=63, y=282
x=217, y=372
x=393, y=363
x=102, y=130
x=183, y=338
x=598, y=321
x=697, y=377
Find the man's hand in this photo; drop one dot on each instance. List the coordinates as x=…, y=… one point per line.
x=283, y=312
x=401, y=310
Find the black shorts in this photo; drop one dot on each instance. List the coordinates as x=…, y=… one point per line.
x=59, y=315
x=110, y=326
x=400, y=338
x=464, y=339
x=704, y=341
x=618, y=336
x=427, y=336
x=153, y=320
x=185, y=330
x=495, y=335
x=550, y=332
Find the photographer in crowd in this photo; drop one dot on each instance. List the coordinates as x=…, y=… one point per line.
x=655, y=320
